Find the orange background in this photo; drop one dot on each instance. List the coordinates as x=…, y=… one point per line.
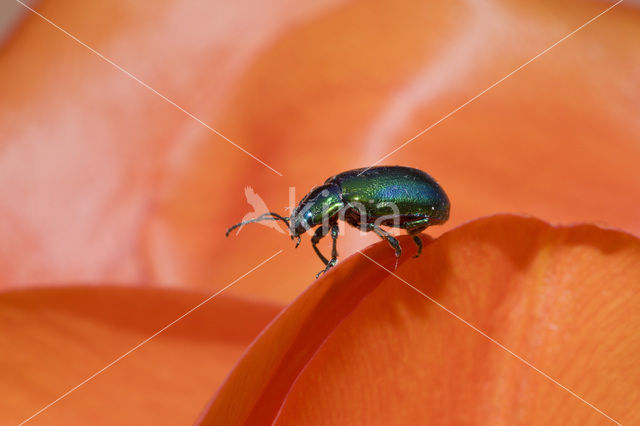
x=104, y=181
x=120, y=199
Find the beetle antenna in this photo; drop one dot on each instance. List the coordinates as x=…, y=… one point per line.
x=264, y=216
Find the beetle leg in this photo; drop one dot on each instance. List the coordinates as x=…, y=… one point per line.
x=417, y=225
x=392, y=241
x=334, y=251
x=317, y=236
x=418, y=242
x=414, y=228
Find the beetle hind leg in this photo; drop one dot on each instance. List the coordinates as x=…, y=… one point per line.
x=416, y=238
x=415, y=228
x=418, y=242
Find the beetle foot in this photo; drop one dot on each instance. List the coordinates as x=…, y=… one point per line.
x=398, y=254
x=330, y=265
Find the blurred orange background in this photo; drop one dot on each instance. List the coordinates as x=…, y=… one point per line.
x=105, y=181
x=110, y=175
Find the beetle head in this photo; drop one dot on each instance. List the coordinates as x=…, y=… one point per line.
x=322, y=203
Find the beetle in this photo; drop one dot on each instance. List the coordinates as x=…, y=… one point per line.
x=366, y=198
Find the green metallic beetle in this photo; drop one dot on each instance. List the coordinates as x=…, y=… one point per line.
x=395, y=196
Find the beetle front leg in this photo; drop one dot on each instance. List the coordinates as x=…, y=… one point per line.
x=335, y=230
x=317, y=236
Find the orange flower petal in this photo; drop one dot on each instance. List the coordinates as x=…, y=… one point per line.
x=362, y=347
x=53, y=339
